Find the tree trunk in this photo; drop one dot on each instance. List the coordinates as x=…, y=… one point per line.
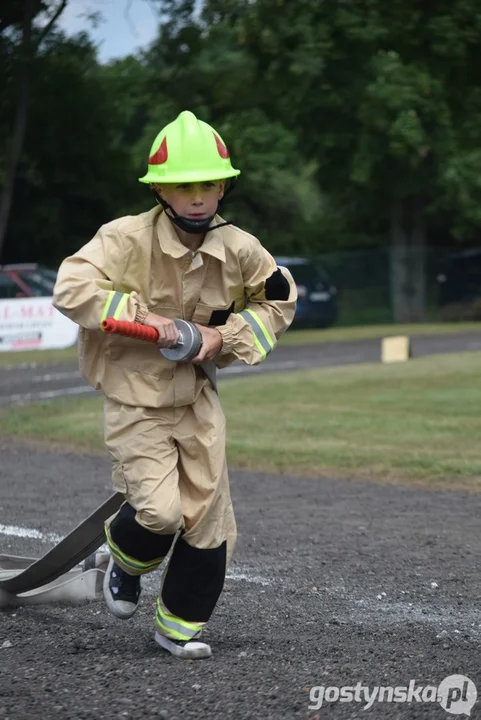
x=400, y=281
x=408, y=250
x=20, y=122
x=418, y=264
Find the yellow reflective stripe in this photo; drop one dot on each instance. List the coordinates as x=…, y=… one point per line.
x=134, y=565
x=262, y=327
x=173, y=618
x=114, y=305
x=180, y=629
x=106, y=307
x=117, y=553
x=170, y=632
x=131, y=562
x=262, y=339
x=259, y=347
x=120, y=307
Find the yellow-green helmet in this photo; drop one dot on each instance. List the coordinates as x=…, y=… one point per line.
x=188, y=150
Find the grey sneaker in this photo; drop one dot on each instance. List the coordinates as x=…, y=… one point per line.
x=121, y=591
x=192, y=649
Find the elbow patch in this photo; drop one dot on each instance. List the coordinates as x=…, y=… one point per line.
x=277, y=286
x=219, y=317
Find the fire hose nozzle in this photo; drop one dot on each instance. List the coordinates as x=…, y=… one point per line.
x=187, y=347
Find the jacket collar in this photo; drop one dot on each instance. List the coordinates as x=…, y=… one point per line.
x=170, y=243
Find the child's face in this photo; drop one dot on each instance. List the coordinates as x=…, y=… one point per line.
x=193, y=200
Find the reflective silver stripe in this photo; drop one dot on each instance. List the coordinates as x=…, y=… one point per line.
x=114, y=303
x=176, y=627
x=260, y=337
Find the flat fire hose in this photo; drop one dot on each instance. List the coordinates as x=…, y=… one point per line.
x=84, y=540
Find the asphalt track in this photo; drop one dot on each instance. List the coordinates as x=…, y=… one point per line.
x=24, y=384
x=334, y=583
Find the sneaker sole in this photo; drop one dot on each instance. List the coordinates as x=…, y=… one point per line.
x=193, y=650
x=111, y=604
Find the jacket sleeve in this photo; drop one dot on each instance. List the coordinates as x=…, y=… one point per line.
x=88, y=286
x=271, y=296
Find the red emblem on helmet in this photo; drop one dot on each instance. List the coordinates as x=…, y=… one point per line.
x=223, y=152
x=160, y=156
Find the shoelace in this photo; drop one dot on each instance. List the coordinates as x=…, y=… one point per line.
x=127, y=582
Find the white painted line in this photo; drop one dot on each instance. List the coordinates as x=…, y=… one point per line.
x=56, y=376
x=47, y=394
x=248, y=578
x=21, y=532
x=150, y=581
x=443, y=616
x=31, y=534
x=20, y=366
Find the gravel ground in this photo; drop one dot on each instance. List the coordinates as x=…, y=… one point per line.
x=333, y=583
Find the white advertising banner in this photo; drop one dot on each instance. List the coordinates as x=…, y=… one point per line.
x=34, y=324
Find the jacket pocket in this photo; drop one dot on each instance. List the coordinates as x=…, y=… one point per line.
x=145, y=361
x=166, y=311
x=216, y=314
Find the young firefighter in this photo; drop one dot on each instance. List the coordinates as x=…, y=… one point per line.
x=164, y=426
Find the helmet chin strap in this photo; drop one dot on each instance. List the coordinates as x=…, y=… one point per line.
x=188, y=225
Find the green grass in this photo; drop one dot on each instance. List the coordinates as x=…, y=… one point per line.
x=292, y=337
x=412, y=422
x=38, y=357
x=362, y=332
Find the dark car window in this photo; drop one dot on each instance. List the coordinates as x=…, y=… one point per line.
x=8, y=288
x=37, y=282
x=48, y=273
x=308, y=275
x=471, y=269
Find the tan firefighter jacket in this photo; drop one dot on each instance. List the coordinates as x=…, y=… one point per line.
x=137, y=264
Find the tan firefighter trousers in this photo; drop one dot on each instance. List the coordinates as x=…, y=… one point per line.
x=170, y=464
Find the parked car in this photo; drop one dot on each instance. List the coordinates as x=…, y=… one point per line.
x=26, y=280
x=317, y=296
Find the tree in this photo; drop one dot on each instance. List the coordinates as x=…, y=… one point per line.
x=202, y=66
x=25, y=28
x=76, y=171
x=22, y=39
x=385, y=99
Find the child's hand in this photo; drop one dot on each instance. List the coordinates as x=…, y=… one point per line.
x=168, y=333
x=211, y=343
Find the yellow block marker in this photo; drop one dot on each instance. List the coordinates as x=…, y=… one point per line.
x=395, y=349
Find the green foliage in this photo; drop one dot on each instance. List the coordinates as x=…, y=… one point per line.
x=67, y=175
x=332, y=111
x=384, y=97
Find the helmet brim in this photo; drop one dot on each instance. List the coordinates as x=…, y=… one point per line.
x=189, y=177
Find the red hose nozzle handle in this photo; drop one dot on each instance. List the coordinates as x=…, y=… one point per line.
x=130, y=329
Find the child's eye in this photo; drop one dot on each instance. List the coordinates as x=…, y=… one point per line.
x=209, y=185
